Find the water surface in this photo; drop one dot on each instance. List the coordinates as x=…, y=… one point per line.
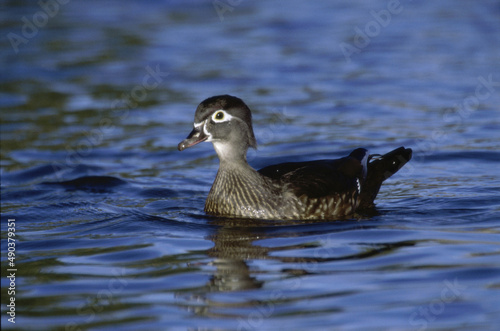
x=110, y=227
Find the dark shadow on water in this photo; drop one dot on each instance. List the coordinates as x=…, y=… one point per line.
x=94, y=184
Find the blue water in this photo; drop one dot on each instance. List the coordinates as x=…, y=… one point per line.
x=108, y=214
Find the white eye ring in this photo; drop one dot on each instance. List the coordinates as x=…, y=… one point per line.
x=216, y=117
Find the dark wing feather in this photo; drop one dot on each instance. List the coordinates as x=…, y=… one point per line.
x=317, y=179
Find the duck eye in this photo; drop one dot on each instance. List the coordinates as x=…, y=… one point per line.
x=219, y=116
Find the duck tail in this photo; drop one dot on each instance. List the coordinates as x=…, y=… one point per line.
x=379, y=169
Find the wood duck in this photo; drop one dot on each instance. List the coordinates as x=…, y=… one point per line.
x=322, y=189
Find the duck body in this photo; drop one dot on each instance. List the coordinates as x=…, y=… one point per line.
x=321, y=189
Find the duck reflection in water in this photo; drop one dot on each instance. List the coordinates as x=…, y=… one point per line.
x=239, y=243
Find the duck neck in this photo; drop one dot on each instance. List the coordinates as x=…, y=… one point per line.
x=231, y=156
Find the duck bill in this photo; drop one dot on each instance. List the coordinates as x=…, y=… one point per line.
x=195, y=137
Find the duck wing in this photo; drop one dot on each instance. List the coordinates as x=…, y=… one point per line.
x=321, y=178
